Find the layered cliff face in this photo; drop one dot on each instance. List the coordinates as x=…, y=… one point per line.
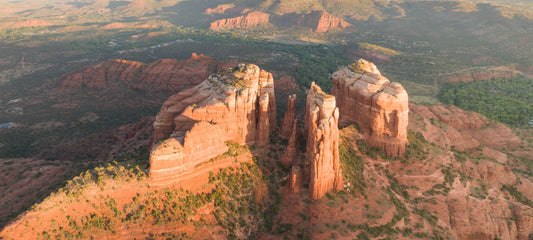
x=318, y=21
x=323, y=22
x=236, y=104
x=166, y=74
x=379, y=107
x=321, y=127
x=252, y=19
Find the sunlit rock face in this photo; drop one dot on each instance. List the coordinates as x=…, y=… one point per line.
x=379, y=107
x=321, y=126
x=236, y=104
x=252, y=19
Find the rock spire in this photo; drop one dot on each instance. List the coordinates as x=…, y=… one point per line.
x=321, y=126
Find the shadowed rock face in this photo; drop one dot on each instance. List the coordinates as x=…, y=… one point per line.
x=321, y=126
x=236, y=104
x=165, y=74
x=289, y=118
x=253, y=19
x=379, y=107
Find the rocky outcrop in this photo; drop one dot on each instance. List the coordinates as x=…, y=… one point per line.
x=379, y=107
x=524, y=221
x=220, y=9
x=295, y=180
x=323, y=22
x=464, y=130
x=166, y=74
x=252, y=19
x=287, y=123
x=483, y=74
x=317, y=21
x=473, y=218
x=321, y=126
x=236, y=104
x=457, y=118
x=291, y=152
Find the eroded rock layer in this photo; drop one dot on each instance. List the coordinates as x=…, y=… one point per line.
x=252, y=19
x=236, y=104
x=321, y=126
x=165, y=74
x=379, y=107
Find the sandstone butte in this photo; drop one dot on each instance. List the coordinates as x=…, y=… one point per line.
x=321, y=128
x=379, y=107
x=250, y=20
x=235, y=104
x=165, y=74
x=318, y=21
x=324, y=22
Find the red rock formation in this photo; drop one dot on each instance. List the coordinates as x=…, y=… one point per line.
x=473, y=218
x=253, y=19
x=321, y=126
x=295, y=180
x=464, y=129
x=291, y=153
x=222, y=8
x=323, y=22
x=166, y=74
x=457, y=118
x=236, y=104
x=379, y=107
x=483, y=74
x=524, y=221
x=289, y=118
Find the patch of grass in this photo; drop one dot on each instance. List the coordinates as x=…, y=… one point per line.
x=353, y=165
x=416, y=149
x=425, y=214
x=378, y=49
